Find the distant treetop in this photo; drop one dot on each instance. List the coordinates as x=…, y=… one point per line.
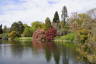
x=64, y=13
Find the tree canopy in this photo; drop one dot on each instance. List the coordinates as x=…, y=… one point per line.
x=17, y=27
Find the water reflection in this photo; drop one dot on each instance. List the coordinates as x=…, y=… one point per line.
x=32, y=52
x=50, y=49
x=60, y=54
x=17, y=49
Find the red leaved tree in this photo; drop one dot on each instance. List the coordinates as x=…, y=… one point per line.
x=50, y=33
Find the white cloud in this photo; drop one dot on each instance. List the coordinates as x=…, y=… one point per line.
x=33, y=10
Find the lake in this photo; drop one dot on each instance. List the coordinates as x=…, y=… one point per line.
x=28, y=52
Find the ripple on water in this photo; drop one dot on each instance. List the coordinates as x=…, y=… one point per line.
x=2, y=45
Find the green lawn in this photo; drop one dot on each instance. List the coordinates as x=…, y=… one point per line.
x=66, y=38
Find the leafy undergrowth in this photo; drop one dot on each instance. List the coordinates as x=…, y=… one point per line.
x=87, y=52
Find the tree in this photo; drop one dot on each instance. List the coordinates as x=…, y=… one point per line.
x=25, y=25
x=1, y=31
x=50, y=33
x=92, y=13
x=56, y=18
x=27, y=32
x=21, y=27
x=83, y=18
x=47, y=23
x=64, y=14
x=37, y=25
x=18, y=27
x=78, y=21
x=39, y=35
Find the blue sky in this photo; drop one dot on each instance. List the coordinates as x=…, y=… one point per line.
x=32, y=10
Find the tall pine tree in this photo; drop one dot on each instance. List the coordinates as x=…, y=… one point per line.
x=1, y=31
x=56, y=18
x=64, y=14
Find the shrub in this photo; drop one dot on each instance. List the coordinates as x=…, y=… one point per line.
x=51, y=33
x=12, y=35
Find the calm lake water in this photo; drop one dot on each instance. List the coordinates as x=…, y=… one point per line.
x=28, y=52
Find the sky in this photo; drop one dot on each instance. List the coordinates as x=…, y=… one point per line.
x=29, y=11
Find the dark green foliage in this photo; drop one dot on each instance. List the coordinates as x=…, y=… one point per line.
x=56, y=18
x=18, y=27
x=1, y=31
x=21, y=27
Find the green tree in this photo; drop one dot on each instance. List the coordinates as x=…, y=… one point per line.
x=64, y=14
x=18, y=27
x=25, y=25
x=47, y=23
x=37, y=25
x=56, y=18
x=27, y=32
x=21, y=27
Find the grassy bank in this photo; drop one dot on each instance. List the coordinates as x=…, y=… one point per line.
x=66, y=40
x=24, y=38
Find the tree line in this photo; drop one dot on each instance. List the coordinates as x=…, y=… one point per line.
x=18, y=29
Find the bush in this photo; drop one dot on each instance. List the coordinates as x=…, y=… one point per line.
x=12, y=35
x=51, y=33
x=82, y=35
x=42, y=34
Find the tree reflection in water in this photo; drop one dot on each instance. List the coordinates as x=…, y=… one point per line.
x=60, y=54
x=17, y=49
x=50, y=50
